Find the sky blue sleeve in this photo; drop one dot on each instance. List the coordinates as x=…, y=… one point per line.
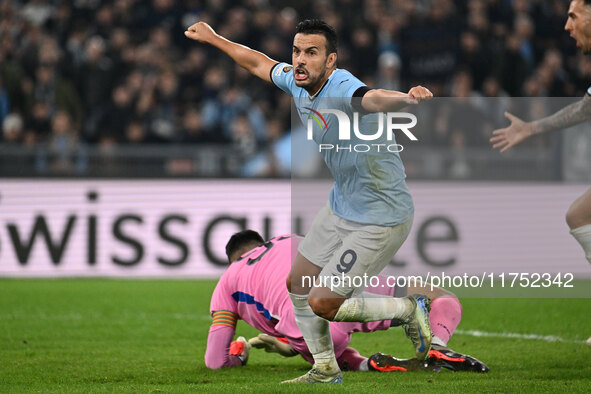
x=347, y=84
x=282, y=77
x=344, y=86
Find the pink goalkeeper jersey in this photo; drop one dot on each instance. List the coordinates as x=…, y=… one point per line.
x=266, y=308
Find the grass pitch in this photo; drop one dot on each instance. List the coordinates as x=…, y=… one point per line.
x=99, y=335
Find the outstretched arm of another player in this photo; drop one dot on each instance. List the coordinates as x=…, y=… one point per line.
x=519, y=130
x=255, y=62
x=381, y=100
x=510, y=136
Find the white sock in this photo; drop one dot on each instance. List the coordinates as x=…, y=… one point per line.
x=438, y=341
x=373, y=307
x=315, y=330
x=583, y=236
x=363, y=367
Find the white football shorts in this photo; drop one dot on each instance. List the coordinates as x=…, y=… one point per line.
x=346, y=249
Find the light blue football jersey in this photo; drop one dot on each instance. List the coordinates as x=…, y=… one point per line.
x=370, y=186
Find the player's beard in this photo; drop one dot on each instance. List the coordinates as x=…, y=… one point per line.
x=311, y=82
x=583, y=39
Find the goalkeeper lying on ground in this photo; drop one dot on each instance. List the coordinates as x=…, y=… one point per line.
x=253, y=289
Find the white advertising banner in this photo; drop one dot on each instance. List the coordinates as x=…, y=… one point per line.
x=130, y=228
x=179, y=228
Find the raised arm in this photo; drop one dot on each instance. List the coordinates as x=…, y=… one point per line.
x=255, y=62
x=381, y=100
x=519, y=130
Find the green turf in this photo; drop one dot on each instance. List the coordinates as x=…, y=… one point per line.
x=98, y=335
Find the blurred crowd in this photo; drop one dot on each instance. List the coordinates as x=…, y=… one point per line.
x=121, y=73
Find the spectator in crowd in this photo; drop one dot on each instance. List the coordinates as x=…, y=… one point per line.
x=193, y=131
x=12, y=129
x=64, y=153
x=4, y=101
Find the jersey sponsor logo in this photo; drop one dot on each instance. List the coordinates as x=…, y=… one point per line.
x=287, y=69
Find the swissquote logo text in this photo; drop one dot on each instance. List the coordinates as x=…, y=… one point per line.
x=391, y=124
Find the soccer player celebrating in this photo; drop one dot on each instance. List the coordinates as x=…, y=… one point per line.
x=578, y=216
x=252, y=289
x=370, y=209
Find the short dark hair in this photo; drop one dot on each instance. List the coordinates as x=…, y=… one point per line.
x=242, y=239
x=317, y=26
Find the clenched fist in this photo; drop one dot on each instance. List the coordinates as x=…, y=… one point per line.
x=201, y=32
x=420, y=93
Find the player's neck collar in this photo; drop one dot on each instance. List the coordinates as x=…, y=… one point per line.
x=313, y=96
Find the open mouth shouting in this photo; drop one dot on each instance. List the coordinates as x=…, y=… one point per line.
x=300, y=74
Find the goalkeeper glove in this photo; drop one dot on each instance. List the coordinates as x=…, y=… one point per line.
x=240, y=348
x=272, y=345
